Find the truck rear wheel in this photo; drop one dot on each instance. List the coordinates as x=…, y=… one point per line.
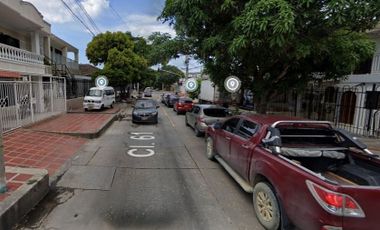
x=267, y=208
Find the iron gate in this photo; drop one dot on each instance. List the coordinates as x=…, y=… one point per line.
x=354, y=108
x=26, y=102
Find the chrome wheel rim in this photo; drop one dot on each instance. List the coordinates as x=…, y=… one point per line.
x=209, y=147
x=265, y=206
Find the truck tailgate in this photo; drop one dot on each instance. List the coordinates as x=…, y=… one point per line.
x=368, y=199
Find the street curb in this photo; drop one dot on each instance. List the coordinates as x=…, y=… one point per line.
x=25, y=198
x=94, y=112
x=92, y=135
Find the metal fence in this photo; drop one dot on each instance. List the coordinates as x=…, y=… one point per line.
x=22, y=103
x=354, y=108
x=77, y=87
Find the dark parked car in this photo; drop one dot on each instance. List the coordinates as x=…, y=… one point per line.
x=170, y=100
x=202, y=115
x=303, y=174
x=145, y=110
x=183, y=105
x=163, y=97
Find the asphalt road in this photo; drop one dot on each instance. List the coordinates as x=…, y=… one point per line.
x=145, y=177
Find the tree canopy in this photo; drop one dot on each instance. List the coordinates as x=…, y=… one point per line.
x=275, y=44
x=169, y=75
x=121, y=54
x=162, y=48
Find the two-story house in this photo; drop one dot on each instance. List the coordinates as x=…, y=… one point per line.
x=34, y=66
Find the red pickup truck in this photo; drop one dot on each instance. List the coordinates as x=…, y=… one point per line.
x=303, y=174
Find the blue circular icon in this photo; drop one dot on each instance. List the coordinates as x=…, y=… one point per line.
x=191, y=85
x=101, y=81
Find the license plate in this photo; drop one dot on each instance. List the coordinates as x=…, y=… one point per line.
x=144, y=118
x=90, y=106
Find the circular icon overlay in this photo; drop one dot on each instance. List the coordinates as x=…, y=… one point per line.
x=101, y=81
x=232, y=84
x=191, y=85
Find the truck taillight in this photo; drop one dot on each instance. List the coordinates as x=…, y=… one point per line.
x=335, y=203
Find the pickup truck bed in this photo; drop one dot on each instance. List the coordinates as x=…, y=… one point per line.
x=315, y=176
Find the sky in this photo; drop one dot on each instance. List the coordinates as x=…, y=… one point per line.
x=136, y=16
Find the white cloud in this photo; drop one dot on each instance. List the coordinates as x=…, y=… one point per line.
x=95, y=7
x=54, y=11
x=143, y=25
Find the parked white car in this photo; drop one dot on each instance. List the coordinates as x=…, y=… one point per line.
x=99, y=98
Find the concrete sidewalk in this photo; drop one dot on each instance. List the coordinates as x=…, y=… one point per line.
x=36, y=156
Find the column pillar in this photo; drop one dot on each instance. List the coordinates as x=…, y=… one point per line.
x=47, y=51
x=64, y=55
x=35, y=41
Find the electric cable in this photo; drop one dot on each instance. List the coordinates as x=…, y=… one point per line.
x=90, y=19
x=77, y=17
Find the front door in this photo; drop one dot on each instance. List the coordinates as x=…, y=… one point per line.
x=224, y=137
x=242, y=145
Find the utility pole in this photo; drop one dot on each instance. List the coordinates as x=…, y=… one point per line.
x=187, y=60
x=3, y=184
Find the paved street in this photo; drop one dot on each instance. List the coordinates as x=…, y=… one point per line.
x=145, y=177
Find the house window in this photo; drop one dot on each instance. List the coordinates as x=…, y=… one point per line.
x=330, y=95
x=8, y=40
x=364, y=67
x=347, y=107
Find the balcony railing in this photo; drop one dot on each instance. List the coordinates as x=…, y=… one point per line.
x=18, y=55
x=72, y=64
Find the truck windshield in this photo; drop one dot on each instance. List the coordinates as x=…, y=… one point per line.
x=94, y=93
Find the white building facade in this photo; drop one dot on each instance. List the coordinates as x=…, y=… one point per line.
x=34, y=65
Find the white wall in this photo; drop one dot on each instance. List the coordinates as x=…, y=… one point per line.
x=376, y=58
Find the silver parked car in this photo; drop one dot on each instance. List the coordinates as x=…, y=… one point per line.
x=203, y=115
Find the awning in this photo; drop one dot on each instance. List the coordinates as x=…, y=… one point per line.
x=9, y=74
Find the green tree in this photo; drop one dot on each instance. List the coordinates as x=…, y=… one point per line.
x=275, y=44
x=97, y=49
x=162, y=48
x=169, y=75
x=122, y=56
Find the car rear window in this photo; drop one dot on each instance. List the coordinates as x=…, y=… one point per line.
x=186, y=101
x=214, y=112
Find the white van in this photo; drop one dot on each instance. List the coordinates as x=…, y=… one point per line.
x=98, y=98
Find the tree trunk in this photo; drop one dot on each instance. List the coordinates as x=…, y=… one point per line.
x=261, y=103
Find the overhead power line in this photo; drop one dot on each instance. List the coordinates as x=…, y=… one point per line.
x=77, y=17
x=92, y=22
x=117, y=14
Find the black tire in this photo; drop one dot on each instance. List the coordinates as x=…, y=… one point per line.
x=111, y=106
x=86, y=109
x=266, y=206
x=210, y=153
x=178, y=113
x=102, y=107
x=197, y=132
x=187, y=123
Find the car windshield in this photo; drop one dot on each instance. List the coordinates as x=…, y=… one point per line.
x=215, y=112
x=145, y=104
x=186, y=101
x=94, y=93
